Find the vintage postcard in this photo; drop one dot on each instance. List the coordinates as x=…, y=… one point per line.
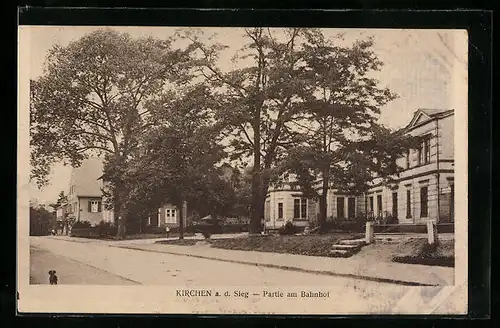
x=229, y=170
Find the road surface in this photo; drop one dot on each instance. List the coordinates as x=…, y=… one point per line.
x=99, y=263
x=96, y=262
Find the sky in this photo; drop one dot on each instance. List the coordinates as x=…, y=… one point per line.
x=422, y=67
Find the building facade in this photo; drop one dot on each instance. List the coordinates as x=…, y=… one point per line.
x=423, y=191
x=85, y=198
x=85, y=194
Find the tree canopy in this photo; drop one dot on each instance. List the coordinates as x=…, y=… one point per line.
x=94, y=98
x=164, y=117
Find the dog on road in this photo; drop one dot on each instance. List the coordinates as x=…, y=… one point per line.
x=52, y=277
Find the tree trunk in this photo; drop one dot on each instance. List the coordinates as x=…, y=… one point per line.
x=120, y=216
x=323, y=200
x=180, y=206
x=256, y=212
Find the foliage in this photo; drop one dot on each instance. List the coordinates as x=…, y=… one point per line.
x=342, y=144
x=41, y=221
x=94, y=99
x=177, y=161
x=356, y=224
x=288, y=229
x=258, y=99
x=106, y=228
x=61, y=200
x=81, y=225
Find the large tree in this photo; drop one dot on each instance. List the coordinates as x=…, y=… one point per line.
x=178, y=160
x=93, y=98
x=343, y=146
x=260, y=96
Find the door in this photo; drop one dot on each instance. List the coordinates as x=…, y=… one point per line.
x=340, y=208
x=351, y=205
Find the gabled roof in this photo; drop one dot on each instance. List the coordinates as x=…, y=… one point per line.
x=423, y=115
x=85, y=178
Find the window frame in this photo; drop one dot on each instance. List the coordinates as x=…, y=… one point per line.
x=380, y=209
x=171, y=218
x=95, y=203
x=340, y=200
x=408, y=203
x=424, y=205
x=302, y=208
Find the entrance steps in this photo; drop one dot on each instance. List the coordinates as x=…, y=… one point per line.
x=347, y=248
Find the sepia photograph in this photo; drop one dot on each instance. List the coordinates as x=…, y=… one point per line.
x=242, y=170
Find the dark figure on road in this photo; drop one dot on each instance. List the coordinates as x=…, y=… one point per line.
x=52, y=277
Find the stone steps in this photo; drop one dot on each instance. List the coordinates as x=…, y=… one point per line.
x=353, y=242
x=347, y=248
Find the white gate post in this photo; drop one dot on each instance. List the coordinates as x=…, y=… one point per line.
x=369, y=237
x=432, y=235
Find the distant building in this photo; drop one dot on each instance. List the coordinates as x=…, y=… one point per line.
x=423, y=191
x=85, y=198
x=85, y=195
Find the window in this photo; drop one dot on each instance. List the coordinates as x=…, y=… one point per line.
x=351, y=205
x=408, y=159
x=379, y=204
x=423, y=202
x=94, y=206
x=371, y=204
x=170, y=216
x=408, y=203
x=300, y=208
x=427, y=149
x=280, y=211
x=395, y=204
x=424, y=151
x=340, y=208
x=303, y=208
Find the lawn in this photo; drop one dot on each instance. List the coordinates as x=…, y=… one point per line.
x=313, y=245
x=418, y=251
x=131, y=236
x=180, y=242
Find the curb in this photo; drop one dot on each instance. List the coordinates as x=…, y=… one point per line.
x=275, y=266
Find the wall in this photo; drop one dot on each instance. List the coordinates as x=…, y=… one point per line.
x=162, y=215
x=85, y=215
x=447, y=138
x=434, y=175
x=287, y=198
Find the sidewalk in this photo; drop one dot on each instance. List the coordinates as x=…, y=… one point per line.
x=390, y=272
x=197, y=236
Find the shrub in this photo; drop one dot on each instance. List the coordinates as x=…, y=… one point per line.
x=356, y=224
x=81, y=225
x=288, y=229
x=234, y=228
x=106, y=229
